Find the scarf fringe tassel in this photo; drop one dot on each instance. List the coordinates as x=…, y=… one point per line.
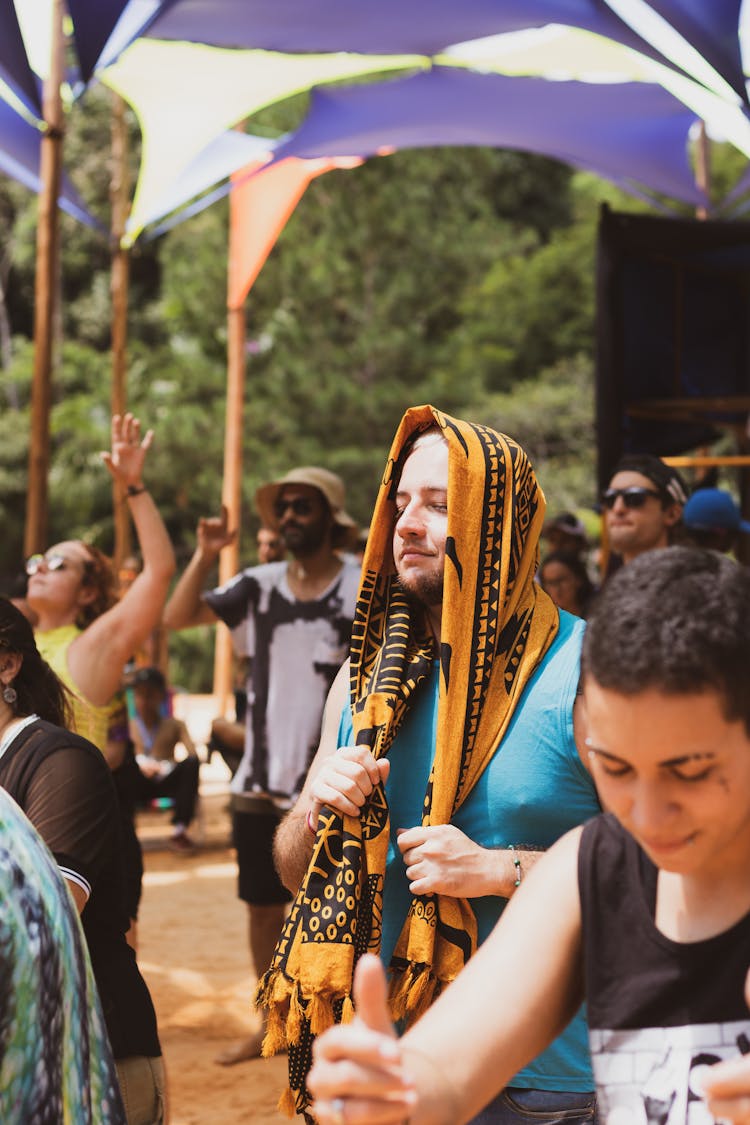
x=286, y=1011
x=279, y=998
x=412, y=992
x=287, y=1103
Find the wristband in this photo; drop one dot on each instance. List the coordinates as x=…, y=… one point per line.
x=308, y=821
x=135, y=489
x=516, y=864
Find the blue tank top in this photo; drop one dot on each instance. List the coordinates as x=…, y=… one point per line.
x=533, y=790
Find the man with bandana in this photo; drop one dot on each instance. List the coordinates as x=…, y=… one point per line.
x=448, y=759
x=642, y=505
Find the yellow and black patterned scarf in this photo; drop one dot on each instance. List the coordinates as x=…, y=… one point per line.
x=496, y=626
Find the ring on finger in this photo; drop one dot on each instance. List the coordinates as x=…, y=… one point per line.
x=337, y=1108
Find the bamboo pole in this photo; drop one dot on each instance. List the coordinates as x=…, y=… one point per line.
x=119, y=280
x=703, y=168
x=47, y=253
x=229, y=560
x=706, y=461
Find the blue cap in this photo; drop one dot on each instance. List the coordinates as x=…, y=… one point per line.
x=711, y=509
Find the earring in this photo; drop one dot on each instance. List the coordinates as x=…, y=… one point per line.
x=10, y=695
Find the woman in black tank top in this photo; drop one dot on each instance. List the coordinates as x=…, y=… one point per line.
x=644, y=912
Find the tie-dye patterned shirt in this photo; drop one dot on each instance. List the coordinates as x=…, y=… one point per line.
x=56, y=1067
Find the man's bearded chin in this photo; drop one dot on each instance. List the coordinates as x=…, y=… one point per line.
x=423, y=590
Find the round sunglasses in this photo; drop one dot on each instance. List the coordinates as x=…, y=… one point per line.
x=50, y=562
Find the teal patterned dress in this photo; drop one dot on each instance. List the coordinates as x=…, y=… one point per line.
x=56, y=1067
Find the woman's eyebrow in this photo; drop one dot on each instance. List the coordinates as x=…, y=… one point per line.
x=697, y=756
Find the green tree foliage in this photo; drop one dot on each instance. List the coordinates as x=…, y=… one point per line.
x=461, y=277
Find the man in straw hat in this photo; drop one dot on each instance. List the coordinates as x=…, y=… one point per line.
x=457, y=761
x=292, y=620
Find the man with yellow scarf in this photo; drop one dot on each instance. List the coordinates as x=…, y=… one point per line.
x=451, y=764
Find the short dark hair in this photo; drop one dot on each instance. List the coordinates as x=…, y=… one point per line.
x=670, y=484
x=676, y=620
x=153, y=677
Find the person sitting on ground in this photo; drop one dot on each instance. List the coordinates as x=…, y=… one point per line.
x=87, y=635
x=155, y=736
x=565, y=578
x=713, y=520
x=642, y=505
x=645, y=910
x=65, y=788
x=55, y=1059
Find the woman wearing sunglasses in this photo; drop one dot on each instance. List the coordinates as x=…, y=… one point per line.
x=82, y=630
x=63, y=785
x=642, y=505
x=87, y=634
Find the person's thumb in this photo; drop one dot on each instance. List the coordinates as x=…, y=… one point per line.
x=371, y=995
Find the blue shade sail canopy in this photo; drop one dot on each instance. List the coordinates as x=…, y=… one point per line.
x=220, y=159
x=429, y=26
x=420, y=27
x=711, y=27
x=635, y=134
x=14, y=65
x=19, y=158
x=94, y=22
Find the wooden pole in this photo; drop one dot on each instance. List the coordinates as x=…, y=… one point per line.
x=229, y=560
x=703, y=168
x=47, y=251
x=119, y=195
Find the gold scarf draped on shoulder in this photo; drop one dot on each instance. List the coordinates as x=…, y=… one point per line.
x=496, y=626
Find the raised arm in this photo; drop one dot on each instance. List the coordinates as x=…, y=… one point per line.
x=521, y=989
x=97, y=657
x=186, y=607
x=339, y=778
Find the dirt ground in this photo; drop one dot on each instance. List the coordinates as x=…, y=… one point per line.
x=193, y=952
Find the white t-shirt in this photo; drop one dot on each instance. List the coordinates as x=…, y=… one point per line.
x=294, y=649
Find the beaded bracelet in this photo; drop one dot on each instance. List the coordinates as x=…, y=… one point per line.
x=516, y=864
x=135, y=490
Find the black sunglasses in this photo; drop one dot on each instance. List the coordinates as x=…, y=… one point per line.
x=300, y=505
x=633, y=497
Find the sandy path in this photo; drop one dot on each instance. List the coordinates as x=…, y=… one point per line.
x=194, y=955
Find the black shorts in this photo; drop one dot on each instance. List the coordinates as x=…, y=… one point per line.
x=258, y=883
